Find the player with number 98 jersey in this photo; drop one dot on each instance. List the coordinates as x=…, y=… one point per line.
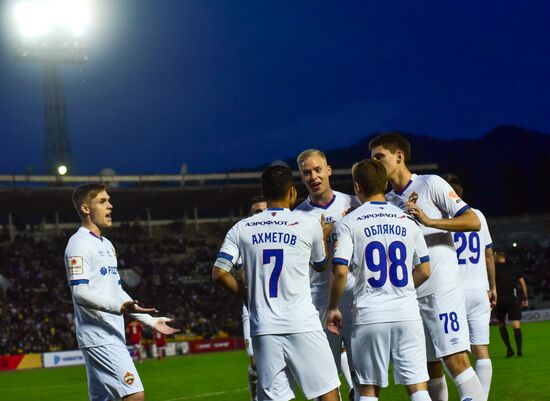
x=382, y=244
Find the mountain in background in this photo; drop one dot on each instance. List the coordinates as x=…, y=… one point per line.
x=505, y=172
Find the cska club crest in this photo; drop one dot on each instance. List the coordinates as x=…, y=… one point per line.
x=413, y=197
x=129, y=378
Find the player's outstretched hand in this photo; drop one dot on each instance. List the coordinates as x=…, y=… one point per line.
x=162, y=327
x=133, y=307
x=334, y=321
x=417, y=213
x=327, y=227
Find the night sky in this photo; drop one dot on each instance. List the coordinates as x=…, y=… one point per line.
x=231, y=84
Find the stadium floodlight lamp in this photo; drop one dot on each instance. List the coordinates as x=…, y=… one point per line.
x=514, y=244
x=62, y=170
x=37, y=18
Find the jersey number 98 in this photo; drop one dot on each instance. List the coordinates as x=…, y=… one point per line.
x=376, y=259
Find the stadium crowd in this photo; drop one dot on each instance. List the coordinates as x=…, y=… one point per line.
x=36, y=312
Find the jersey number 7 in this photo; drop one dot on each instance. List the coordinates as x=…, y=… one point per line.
x=268, y=254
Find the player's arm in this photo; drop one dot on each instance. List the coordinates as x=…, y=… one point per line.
x=524, y=297
x=343, y=252
x=225, y=261
x=491, y=275
x=319, y=249
x=445, y=198
x=421, y=273
x=337, y=286
x=131, y=307
x=226, y=279
x=466, y=221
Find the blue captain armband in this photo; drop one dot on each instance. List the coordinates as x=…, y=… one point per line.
x=224, y=261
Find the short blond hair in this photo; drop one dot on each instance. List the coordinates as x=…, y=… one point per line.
x=306, y=154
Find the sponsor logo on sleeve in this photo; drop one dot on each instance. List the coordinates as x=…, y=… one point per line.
x=129, y=378
x=76, y=266
x=454, y=196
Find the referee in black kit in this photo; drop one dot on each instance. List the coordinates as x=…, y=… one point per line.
x=508, y=277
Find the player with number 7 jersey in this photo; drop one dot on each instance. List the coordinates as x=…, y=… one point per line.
x=277, y=247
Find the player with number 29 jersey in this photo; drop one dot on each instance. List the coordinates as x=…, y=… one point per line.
x=277, y=247
x=470, y=250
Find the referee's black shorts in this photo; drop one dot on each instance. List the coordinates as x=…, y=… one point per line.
x=510, y=307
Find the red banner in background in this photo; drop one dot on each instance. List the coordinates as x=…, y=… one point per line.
x=10, y=362
x=222, y=344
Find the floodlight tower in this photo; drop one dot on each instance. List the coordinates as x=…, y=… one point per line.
x=51, y=34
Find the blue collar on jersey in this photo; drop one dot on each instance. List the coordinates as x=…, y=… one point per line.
x=93, y=235
x=404, y=189
x=323, y=206
x=275, y=208
x=378, y=203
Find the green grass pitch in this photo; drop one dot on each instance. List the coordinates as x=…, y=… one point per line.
x=222, y=376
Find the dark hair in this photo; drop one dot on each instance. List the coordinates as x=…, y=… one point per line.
x=253, y=201
x=393, y=141
x=257, y=199
x=276, y=181
x=86, y=192
x=371, y=176
x=455, y=182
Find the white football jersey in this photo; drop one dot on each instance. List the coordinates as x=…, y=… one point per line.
x=91, y=261
x=439, y=201
x=334, y=211
x=470, y=252
x=383, y=244
x=276, y=247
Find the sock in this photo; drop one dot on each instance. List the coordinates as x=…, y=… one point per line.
x=469, y=386
x=252, y=383
x=438, y=389
x=421, y=395
x=484, y=370
x=365, y=398
x=344, y=367
x=517, y=334
x=505, y=338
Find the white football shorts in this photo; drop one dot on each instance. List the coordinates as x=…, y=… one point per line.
x=401, y=343
x=111, y=372
x=305, y=357
x=445, y=323
x=478, y=309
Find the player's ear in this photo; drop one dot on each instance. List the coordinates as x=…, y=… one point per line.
x=356, y=188
x=329, y=170
x=293, y=195
x=84, y=209
x=399, y=156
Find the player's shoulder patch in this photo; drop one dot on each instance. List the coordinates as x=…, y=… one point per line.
x=75, y=265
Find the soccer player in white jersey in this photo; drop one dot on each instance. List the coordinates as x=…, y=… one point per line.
x=434, y=204
x=322, y=199
x=390, y=258
x=277, y=247
x=477, y=265
x=99, y=302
